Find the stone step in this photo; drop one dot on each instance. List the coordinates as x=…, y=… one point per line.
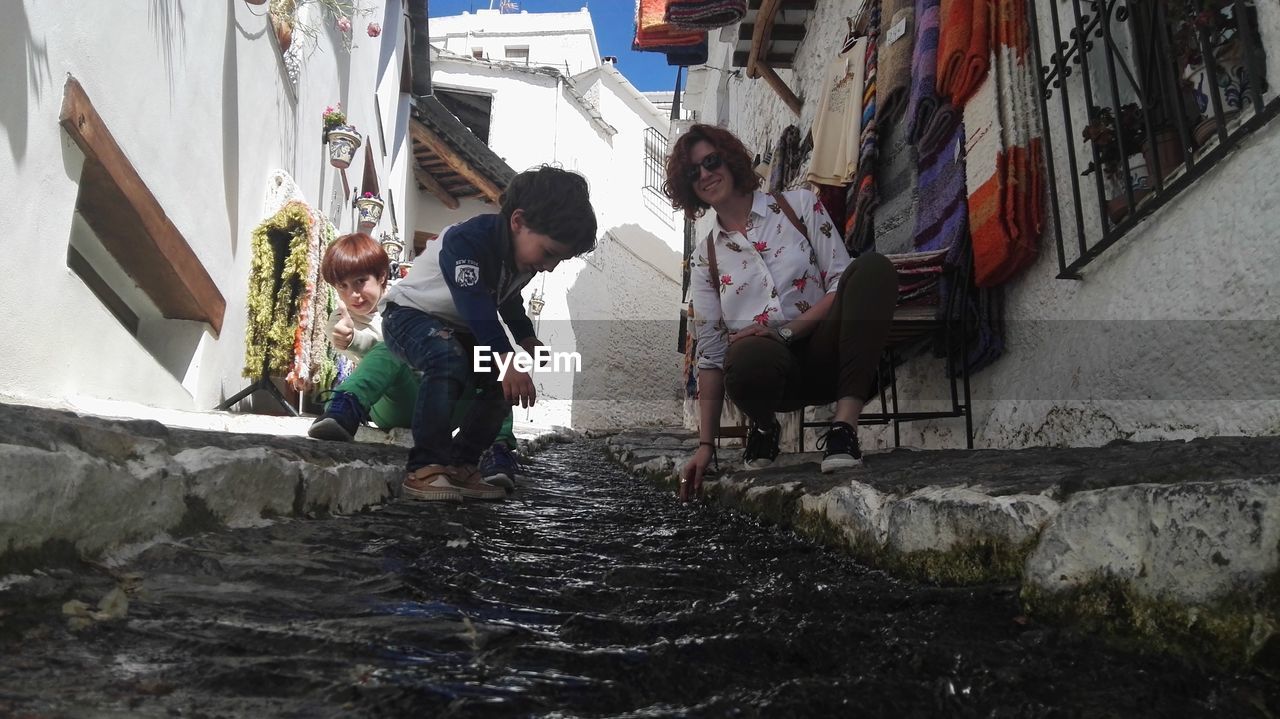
x=1175, y=542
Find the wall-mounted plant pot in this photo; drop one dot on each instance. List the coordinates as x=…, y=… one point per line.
x=394, y=248
x=1233, y=80
x=1208, y=129
x=1167, y=149
x=1118, y=207
x=343, y=143
x=369, y=211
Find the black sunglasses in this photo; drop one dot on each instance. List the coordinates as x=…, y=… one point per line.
x=711, y=162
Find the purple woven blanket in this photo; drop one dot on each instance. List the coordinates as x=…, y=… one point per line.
x=923, y=100
x=943, y=217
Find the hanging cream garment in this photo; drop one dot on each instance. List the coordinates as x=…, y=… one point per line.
x=837, y=125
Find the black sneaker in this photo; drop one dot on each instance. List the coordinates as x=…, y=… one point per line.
x=762, y=445
x=841, y=448
x=340, y=420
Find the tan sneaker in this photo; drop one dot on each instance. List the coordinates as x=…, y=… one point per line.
x=468, y=480
x=432, y=483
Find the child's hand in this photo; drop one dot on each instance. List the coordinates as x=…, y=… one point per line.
x=530, y=346
x=344, y=331
x=518, y=388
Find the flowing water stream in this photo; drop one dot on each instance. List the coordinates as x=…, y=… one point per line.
x=589, y=594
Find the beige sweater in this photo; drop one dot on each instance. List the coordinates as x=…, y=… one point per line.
x=368, y=332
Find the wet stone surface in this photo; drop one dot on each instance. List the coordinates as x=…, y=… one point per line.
x=590, y=593
x=1061, y=471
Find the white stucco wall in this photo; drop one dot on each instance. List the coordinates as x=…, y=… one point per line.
x=1141, y=348
x=564, y=40
x=197, y=96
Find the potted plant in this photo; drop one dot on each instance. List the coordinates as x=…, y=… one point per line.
x=368, y=210
x=1106, y=133
x=311, y=24
x=342, y=138
x=392, y=244
x=1215, y=22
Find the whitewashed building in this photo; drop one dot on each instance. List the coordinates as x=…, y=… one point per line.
x=198, y=126
x=1170, y=332
x=534, y=87
x=148, y=140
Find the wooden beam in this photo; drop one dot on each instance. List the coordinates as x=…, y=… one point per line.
x=775, y=60
x=132, y=224
x=760, y=35
x=756, y=66
x=781, y=88
x=460, y=165
x=790, y=33
x=434, y=187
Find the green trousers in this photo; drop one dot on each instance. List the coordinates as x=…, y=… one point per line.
x=388, y=388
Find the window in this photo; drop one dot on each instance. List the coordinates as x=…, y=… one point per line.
x=477, y=53
x=517, y=53
x=655, y=154
x=1139, y=98
x=131, y=228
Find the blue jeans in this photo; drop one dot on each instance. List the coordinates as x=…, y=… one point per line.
x=443, y=356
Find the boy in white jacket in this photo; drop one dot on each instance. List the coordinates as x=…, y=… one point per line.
x=381, y=387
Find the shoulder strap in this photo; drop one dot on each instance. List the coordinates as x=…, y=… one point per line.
x=714, y=272
x=791, y=214
x=795, y=221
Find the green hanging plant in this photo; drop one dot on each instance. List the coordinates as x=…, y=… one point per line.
x=273, y=316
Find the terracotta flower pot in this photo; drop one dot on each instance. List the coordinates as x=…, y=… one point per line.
x=343, y=143
x=369, y=210
x=1167, y=149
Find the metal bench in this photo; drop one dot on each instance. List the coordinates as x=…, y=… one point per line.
x=912, y=326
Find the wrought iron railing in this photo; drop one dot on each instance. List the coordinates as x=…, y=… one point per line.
x=1147, y=95
x=655, y=154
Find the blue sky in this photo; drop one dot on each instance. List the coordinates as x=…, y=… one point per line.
x=615, y=26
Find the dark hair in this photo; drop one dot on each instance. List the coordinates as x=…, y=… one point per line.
x=556, y=203
x=352, y=256
x=732, y=152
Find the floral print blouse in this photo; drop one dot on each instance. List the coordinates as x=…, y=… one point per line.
x=769, y=277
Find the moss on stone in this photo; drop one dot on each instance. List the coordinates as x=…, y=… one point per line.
x=776, y=504
x=52, y=552
x=1233, y=630
x=818, y=527
x=981, y=561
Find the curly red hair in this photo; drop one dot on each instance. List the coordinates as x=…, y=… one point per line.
x=733, y=153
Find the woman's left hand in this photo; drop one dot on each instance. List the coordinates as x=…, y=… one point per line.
x=755, y=331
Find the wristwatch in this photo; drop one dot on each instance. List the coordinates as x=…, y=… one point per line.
x=785, y=334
